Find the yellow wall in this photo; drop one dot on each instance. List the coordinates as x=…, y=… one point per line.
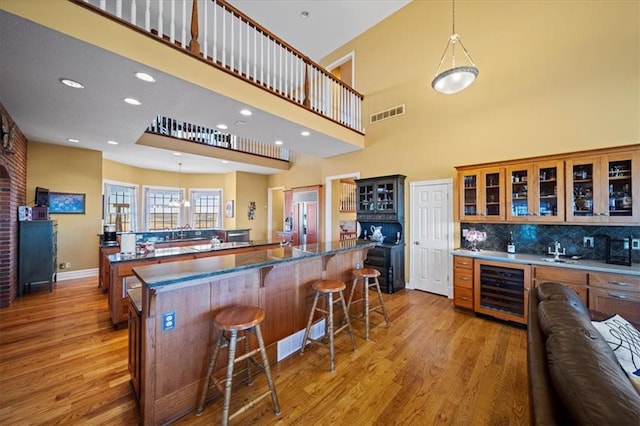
x=252, y=187
x=64, y=169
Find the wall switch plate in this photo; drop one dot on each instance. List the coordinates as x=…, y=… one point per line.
x=587, y=242
x=168, y=321
x=635, y=244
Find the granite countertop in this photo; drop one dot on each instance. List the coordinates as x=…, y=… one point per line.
x=192, y=249
x=538, y=259
x=164, y=274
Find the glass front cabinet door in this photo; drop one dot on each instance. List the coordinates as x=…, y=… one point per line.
x=604, y=189
x=535, y=192
x=482, y=195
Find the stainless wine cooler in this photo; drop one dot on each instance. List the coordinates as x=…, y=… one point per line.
x=502, y=292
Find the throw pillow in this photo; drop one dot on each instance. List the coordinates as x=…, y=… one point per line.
x=624, y=340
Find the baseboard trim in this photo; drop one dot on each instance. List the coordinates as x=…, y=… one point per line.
x=82, y=273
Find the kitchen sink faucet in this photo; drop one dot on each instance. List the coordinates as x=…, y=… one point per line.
x=556, y=251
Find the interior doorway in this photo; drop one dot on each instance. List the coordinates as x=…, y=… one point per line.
x=332, y=204
x=431, y=236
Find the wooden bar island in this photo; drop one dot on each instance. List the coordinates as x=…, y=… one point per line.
x=171, y=326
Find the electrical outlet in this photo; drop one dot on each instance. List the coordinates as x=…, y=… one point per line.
x=67, y=265
x=635, y=244
x=168, y=321
x=465, y=231
x=587, y=242
x=61, y=266
x=198, y=233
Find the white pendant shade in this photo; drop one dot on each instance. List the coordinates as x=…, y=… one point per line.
x=454, y=80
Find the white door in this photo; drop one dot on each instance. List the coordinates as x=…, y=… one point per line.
x=431, y=234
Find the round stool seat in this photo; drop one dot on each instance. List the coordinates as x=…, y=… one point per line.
x=239, y=318
x=366, y=273
x=329, y=286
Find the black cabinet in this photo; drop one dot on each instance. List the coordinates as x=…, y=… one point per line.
x=380, y=199
x=37, y=248
x=388, y=259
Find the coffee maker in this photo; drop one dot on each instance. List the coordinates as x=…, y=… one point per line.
x=109, y=237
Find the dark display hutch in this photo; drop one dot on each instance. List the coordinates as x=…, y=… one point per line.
x=380, y=203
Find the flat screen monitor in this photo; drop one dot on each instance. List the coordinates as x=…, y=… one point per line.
x=42, y=197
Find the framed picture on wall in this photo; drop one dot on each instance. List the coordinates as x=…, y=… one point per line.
x=66, y=203
x=228, y=208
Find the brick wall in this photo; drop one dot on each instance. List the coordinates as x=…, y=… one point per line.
x=13, y=189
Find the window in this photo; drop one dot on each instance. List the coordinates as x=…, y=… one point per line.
x=120, y=206
x=206, y=208
x=163, y=209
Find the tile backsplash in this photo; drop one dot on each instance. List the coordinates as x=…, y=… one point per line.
x=536, y=239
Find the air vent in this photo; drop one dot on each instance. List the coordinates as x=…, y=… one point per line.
x=387, y=113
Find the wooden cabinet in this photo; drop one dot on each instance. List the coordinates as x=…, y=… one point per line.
x=37, y=254
x=572, y=278
x=463, y=282
x=104, y=270
x=482, y=194
x=380, y=199
x=601, y=188
x=388, y=259
x=135, y=336
x=604, y=188
x=535, y=192
x=615, y=293
x=501, y=290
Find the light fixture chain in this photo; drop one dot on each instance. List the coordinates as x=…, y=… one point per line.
x=453, y=17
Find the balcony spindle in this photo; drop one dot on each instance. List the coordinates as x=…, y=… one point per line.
x=147, y=15
x=134, y=19
x=194, y=45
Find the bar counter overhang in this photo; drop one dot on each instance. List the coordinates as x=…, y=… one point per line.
x=173, y=358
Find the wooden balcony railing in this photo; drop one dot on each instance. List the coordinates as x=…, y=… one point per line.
x=171, y=127
x=217, y=32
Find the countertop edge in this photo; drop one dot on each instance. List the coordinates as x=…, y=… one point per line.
x=182, y=276
x=534, y=259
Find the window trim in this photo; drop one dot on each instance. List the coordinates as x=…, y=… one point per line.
x=135, y=215
x=192, y=192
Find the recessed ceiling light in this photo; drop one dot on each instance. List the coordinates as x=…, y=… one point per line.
x=224, y=161
x=112, y=142
x=132, y=101
x=278, y=142
x=305, y=133
x=73, y=140
x=239, y=123
x=177, y=153
x=245, y=112
x=71, y=83
x=304, y=14
x=222, y=126
x=145, y=77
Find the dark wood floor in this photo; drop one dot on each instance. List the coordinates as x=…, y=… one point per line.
x=62, y=363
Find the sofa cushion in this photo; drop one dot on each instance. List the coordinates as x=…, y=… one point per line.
x=624, y=340
x=587, y=377
x=555, y=291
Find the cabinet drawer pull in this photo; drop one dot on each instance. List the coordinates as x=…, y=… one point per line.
x=463, y=278
x=463, y=297
x=619, y=296
x=620, y=283
x=463, y=263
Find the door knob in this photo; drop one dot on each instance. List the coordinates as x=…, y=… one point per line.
x=416, y=243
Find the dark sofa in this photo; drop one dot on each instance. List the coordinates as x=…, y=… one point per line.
x=574, y=376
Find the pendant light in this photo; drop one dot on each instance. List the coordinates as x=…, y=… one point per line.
x=180, y=202
x=456, y=78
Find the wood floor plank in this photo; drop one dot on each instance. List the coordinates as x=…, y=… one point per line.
x=61, y=362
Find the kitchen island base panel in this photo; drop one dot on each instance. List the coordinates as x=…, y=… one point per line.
x=174, y=358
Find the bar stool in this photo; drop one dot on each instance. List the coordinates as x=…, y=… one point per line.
x=233, y=320
x=369, y=277
x=327, y=288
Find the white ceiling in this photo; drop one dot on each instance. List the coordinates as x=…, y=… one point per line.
x=34, y=58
